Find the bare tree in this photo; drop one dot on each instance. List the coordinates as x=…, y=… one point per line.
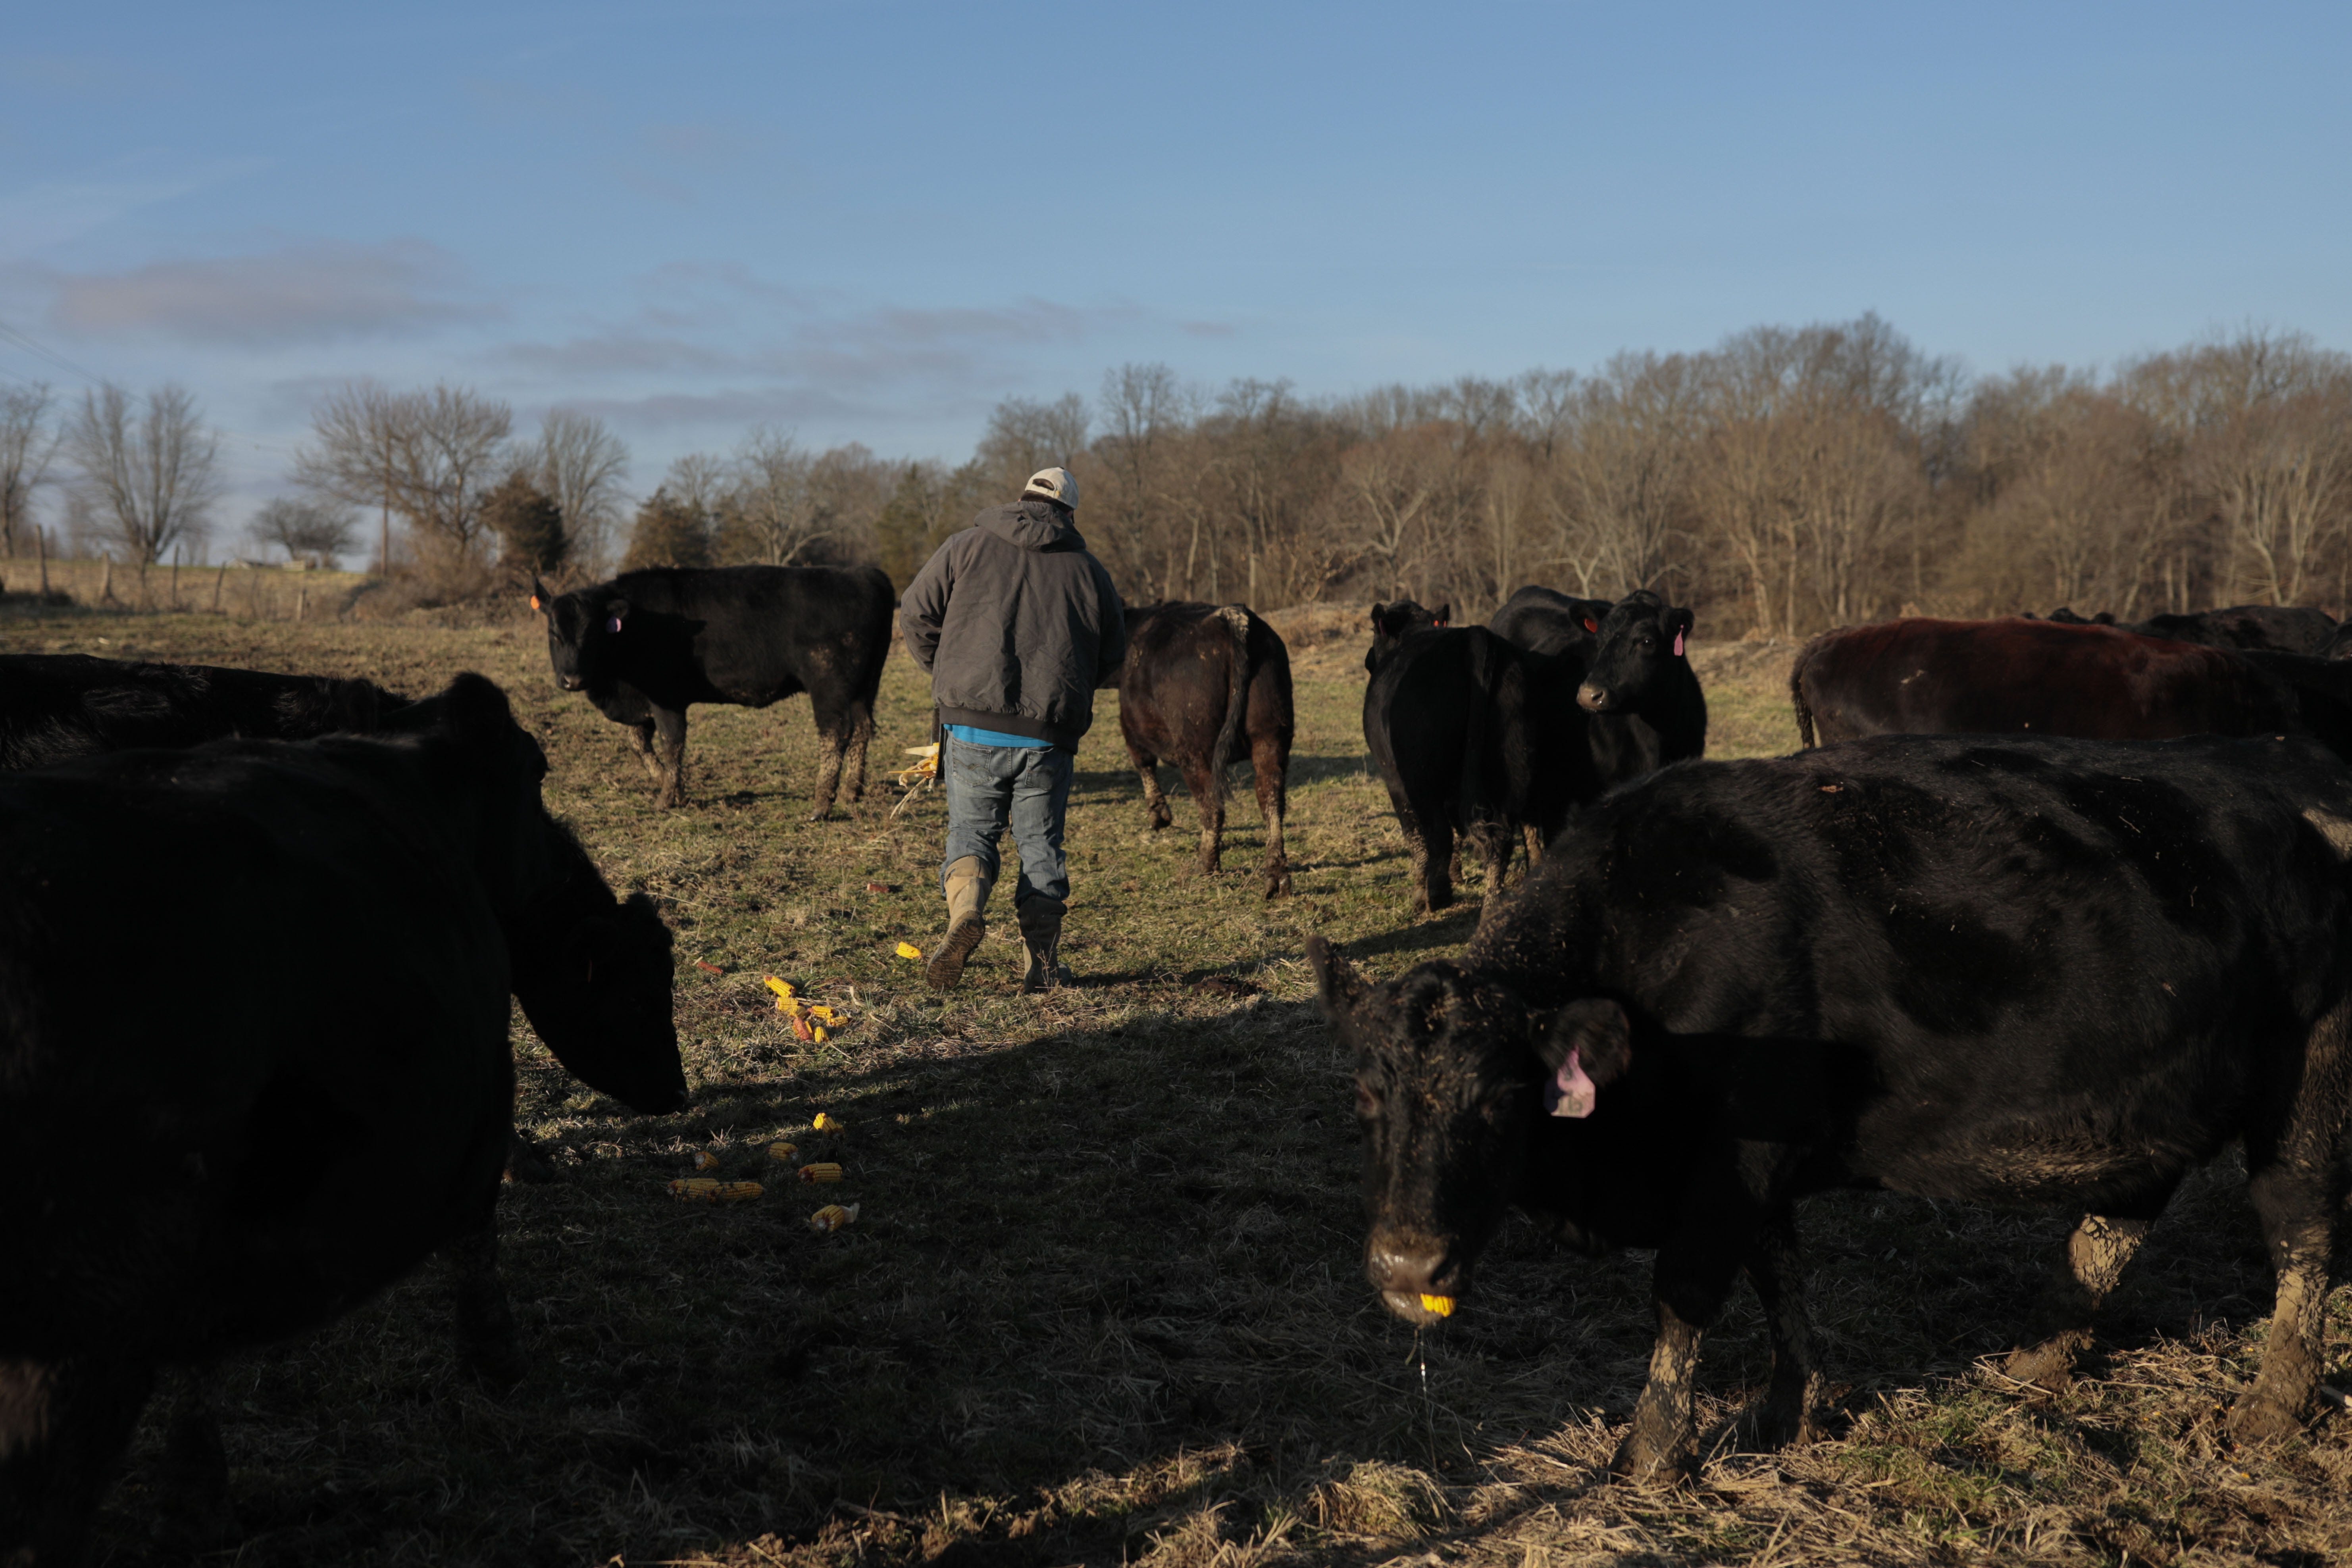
x=149, y=473
x=1025, y=435
x=26, y=446
x=582, y=466
x=787, y=506
x=313, y=530
x=432, y=456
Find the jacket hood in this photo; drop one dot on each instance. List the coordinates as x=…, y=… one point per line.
x=1034, y=525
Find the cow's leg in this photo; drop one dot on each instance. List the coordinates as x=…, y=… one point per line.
x=2093, y=1262
x=669, y=725
x=1209, y=796
x=63, y=1428
x=1270, y=768
x=831, y=744
x=487, y=1342
x=1789, y=1411
x=1156, y=811
x=194, y=1513
x=1493, y=841
x=641, y=741
x=1437, y=866
x=525, y=1161
x=853, y=764
x=1694, y=1275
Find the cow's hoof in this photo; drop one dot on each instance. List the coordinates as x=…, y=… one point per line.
x=1277, y=885
x=1652, y=1466
x=2258, y=1418
x=823, y=814
x=2049, y=1365
x=1771, y=1423
x=1159, y=820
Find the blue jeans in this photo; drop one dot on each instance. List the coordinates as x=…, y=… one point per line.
x=1026, y=788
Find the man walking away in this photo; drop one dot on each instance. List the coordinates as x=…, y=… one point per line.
x=1017, y=624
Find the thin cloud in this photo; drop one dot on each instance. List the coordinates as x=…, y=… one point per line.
x=317, y=293
x=1206, y=329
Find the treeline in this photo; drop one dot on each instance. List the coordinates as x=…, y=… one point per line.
x=1785, y=480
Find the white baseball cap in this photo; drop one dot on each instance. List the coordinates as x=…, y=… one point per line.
x=1054, y=484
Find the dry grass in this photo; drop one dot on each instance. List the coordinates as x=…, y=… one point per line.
x=1104, y=1303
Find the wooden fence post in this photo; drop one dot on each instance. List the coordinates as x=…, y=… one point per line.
x=106, y=580
x=41, y=545
x=218, y=578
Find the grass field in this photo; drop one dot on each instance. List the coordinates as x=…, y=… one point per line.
x=1103, y=1301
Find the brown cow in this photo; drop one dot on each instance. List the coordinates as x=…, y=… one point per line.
x=2026, y=677
x=1199, y=679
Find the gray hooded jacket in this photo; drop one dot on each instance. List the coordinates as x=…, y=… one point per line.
x=1017, y=624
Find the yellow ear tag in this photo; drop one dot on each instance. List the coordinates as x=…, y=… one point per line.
x=1441, y=1305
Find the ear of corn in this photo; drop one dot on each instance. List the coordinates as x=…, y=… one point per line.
x=780, y=988
x=824, y=1170
x=824, y=1124
x=908, y=949
x=704, y=1158
x=705, y=1190
x=833, y=1217
x=780, y=1149
x=1441, y=1305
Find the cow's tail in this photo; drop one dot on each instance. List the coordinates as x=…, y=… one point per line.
x=1797, y=694
x=1229, y=733
x=1479, y=791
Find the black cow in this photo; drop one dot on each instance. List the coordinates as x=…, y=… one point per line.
x=1198, y=681
x=2044, y=973
x=2274, y=628
x=281, y=971
x=1392, y=624
x=1544, y=620
x=1476, y=735
x=647, y=645
x=55, y=706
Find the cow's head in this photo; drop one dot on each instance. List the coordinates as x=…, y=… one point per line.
x=593, y=973
x=1392, y=624
x=582, y=629
x=1455, y=1073
x=1643, y=644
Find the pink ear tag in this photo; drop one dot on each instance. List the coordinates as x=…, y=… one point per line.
x=1678, y=645
x=1570, y=1092
x=614, y=624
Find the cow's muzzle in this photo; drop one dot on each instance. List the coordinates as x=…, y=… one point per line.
x=1592, y=699
x=573, y=682
x=1418, y=1278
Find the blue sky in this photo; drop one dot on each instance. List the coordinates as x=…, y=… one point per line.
x=872, y=221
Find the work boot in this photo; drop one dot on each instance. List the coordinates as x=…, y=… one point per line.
x=1040, y=938
x=968, y=886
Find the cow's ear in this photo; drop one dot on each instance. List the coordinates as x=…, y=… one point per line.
x=475, y=711
x=1588, y=1046
x=539, y=595
x=1336, y=979
x=1445, y=615
x=616, y=612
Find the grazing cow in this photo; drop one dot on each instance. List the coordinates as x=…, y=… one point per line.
x=1473, y=735
x=2015, y=676
x=647, y=645
x=55, y=706
x=281, y=971
x=1198, y=681
x=1392, y=624
x=1544, y=620
x=2044, y=973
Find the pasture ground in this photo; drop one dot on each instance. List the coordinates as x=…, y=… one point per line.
x=1102, y=1301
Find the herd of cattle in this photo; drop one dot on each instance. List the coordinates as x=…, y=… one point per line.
x=2046, y=914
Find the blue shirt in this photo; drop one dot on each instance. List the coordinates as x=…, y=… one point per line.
x=971, y=736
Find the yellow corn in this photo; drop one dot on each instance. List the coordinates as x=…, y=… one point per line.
x=816, y=1033
x=824, y=1015
x=833, y=1217
x=1441, y=1305
x=824, y=1124
x=780, y=1149
x=825, y=1171
x=704, y=1190
x=704, y=1158
x=908, y=949
x=780, y=988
